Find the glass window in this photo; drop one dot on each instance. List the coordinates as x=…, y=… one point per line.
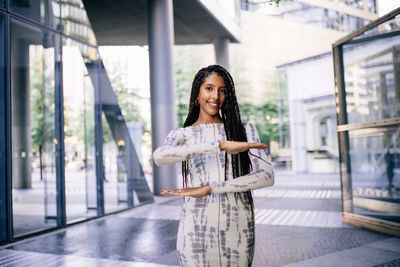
x=79, y=131
x=76, y=22
x=2, y=3
x=375, y=165
x=43, y=11
x=385, y=27
x=33, y=128
x=371, y=71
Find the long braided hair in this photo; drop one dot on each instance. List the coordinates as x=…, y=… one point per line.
x=230, y=115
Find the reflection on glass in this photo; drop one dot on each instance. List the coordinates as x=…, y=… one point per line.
x=43, y=11
x=2, y=3
x=372, y=93
x=375, y=164
x=385, y=27
x=80, y=175
x=75, y=21
x=115, y=172
x=33, y=131
x=309, y=13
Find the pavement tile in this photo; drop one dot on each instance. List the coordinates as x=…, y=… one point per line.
x=392, y=244
x=363, y=256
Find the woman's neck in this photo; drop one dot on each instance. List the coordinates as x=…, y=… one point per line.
x=209, y=119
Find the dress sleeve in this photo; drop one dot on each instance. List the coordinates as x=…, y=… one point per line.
x=175, y=150
x=261, y=175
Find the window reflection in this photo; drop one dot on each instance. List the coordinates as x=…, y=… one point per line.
x=76, y=22
x=33, y=131
x=79, y=131
x=375, y=161
x=370, y=70
x=42, y=11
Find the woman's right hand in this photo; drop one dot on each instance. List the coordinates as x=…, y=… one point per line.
x=234, y=147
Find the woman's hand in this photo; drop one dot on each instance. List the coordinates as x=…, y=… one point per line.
x=189, y=191
x=234, y=147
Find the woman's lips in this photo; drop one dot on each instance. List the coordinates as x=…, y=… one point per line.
x=213, y=105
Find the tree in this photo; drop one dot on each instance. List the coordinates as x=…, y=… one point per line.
x=264, y=117
x=185, y=63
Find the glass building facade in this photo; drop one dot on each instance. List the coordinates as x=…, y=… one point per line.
x=66, y=154
x=367, y=92
x=317, y=14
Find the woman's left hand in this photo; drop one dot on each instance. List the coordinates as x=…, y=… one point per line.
x=189, y=191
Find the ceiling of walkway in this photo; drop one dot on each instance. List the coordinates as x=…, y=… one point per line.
x=122, y=22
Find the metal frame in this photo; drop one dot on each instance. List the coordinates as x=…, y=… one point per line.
x=6, y=212
x=343, y=137
x=8, y=128
x=348, y=38
x=3, y=134
x=343, y=129
x=59, y=134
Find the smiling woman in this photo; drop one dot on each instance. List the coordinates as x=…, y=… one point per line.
x=222, y=160
x=211, y=98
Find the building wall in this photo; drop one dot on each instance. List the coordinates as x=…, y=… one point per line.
x=310, y=85
x=268, y=41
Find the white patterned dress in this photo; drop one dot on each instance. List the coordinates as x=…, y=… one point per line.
x=218, y=229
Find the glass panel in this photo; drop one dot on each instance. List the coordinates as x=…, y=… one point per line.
x=385, y=27
x=371, y=73
x=126, y=146
x=79, y=123
x=43, y=11
x=3, y=163
x=75, y=21
x=375, y=164
x=300, y=11
x=2, y=3
x=33, y=131
x=116, y=177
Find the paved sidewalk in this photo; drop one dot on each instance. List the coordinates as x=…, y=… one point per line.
x=298, y=223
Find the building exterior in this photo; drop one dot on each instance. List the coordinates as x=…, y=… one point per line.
x=339, y=15
x=311, y=152
x=66, y=152
x=367, y=101
x=309, y=84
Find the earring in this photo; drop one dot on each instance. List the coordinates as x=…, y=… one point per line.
x=196, y=102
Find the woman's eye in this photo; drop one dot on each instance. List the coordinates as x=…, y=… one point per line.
x=223, y=91
x=208, y=88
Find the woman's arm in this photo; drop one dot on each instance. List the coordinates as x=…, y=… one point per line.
x=261, y=175
x=174, y=150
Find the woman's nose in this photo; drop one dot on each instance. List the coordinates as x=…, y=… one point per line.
x=215, y=94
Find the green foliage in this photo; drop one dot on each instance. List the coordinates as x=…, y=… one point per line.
x=128, y=100
x=42, y=103
x=185, y=63
x=264, y=117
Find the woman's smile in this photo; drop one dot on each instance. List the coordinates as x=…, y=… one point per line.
x=211, y=97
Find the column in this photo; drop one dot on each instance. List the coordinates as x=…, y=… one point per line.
x=21, y=117
x=163, y=114
x=221, y=46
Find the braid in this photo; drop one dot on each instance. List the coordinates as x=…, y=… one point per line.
x=230, y=114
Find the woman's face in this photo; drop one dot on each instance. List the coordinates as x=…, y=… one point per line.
x=211, y=95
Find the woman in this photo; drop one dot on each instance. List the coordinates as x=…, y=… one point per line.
x=222, y=160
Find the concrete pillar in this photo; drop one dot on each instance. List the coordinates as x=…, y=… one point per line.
x=221, y=46
x=163, y=115
x=21, y=116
